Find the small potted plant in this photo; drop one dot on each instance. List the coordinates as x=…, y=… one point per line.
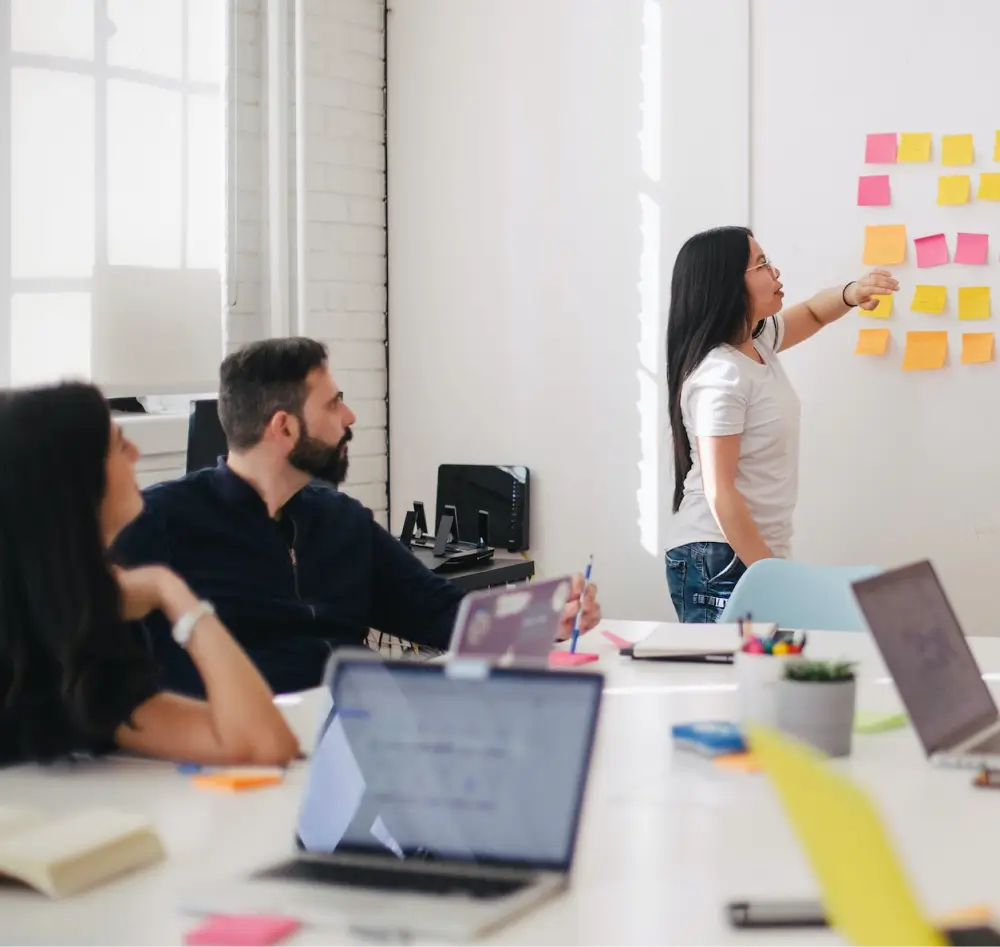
x=815, y=702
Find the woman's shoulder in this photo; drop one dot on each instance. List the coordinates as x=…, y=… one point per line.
x=722, y=366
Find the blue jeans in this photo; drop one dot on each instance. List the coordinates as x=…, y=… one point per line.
x=701, y=577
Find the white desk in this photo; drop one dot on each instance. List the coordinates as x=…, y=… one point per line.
x=666, y=838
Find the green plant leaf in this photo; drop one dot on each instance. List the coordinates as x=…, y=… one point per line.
x=830, y=672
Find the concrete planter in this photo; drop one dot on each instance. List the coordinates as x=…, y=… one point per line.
x=818, y=712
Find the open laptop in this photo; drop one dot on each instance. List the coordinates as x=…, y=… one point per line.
x=442, y=799
x=929, y=659
x=517, y=623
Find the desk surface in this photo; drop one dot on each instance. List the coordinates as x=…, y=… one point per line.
x=667, y=838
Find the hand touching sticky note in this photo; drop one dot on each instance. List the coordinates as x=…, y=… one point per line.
x=957, y=149
x=977, y=348
x=931, y=250
x=882, y=310
x=914, y=146
x=885, y=245
x=925, y=351
x=953, y=189
x=873, y=190
x=989, y=187
x=930, y=299
x=881, y=149
x=972, y=248
x=973, y=302
x=872, y=342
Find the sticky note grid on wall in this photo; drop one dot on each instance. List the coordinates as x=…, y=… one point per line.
x=959, y=255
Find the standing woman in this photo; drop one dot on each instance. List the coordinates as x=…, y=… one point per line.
x=734, y=415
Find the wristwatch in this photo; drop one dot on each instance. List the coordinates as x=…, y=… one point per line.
x=184, y=626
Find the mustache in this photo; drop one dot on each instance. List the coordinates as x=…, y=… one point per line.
x=348, y=436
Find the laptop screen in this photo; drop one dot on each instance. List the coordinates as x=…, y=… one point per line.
x=927, y=654
x=423, y=761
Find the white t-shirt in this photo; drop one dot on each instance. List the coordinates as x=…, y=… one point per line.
x=730, y=393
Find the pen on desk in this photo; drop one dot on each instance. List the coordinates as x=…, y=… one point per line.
x=583, y=593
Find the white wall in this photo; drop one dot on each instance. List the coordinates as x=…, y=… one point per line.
x=345, y=230
x=532, y=226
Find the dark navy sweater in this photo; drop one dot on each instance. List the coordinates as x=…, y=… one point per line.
x=320, y=575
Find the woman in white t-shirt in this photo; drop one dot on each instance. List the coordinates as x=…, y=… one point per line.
x=733, y=413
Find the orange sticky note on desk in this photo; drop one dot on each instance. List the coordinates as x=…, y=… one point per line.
x=977, y=348
x=930, y=299
x=885, y=245
x=954, y=189
x=872, y=342
x=957, y=149
x=738, y=762
x=925, y=350
x=973, y=302
x=236, y=780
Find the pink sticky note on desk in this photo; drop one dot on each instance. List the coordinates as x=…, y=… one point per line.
x=570, y=659
x=242, y=930
x=972, y=248
x=932, y=250
x=873, y=190
x=881, y=149
x=617, y=640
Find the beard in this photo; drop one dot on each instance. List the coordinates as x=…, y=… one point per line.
x=323, y=461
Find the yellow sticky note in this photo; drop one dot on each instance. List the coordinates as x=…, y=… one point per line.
x=956, y=149
x=885, y=245
x=989, y=187
x=954, y=189
x=882, y=311
x=914, y=146
x=872, y=342
x=930, y=299
x=996, y=147
x=973, y=302
x=977, y=348
x=864, y=887
x=925, y=350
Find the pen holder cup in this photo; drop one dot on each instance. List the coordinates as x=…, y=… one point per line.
x=757, y=677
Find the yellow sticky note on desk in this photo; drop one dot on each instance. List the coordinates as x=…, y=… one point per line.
x=885, y=245
x=872, y=342
x=930, y=299
x=954, y=189
x=973, y=302
x=957, y=149
x=977, y=348
x=914, y=146
x=882, y=311
x=989, y=187
x=865, y=890
x=925, y=350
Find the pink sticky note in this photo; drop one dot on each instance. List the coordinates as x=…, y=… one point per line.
x=972, y=248
x=617, y=640
x=873, y=190
x=242, y=930
x=932, y=250
x=881, y=149
x=567, y=659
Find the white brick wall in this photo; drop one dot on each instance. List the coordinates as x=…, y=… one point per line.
x=345, y=210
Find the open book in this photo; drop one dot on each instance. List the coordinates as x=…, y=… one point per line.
x=69, y=854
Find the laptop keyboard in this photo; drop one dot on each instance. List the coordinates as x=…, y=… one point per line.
x=356, y=876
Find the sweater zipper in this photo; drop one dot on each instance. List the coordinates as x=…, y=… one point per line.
x=295, y=567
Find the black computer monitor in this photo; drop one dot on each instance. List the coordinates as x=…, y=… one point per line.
x=206, y=441
x=502, y=491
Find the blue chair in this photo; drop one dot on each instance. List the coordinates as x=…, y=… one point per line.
x=799, y=595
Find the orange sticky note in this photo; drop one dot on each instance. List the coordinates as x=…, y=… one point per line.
x=925, y=350
x=989, y=187
x=914, y=146
x=930, y=299
x=957, y=149
x=953, y=189
x=973, y=302
x=872, y=342
x=738, y=762
x=885, y=245
x=977, y=348
x=882, y=311
x=236, y=780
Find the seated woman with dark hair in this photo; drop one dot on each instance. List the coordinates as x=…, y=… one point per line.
x=76, y=675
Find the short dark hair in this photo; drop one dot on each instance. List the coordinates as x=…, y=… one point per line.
x=261, y=379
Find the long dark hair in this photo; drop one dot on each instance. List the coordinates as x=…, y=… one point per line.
x=709, y=306
x=68, y=662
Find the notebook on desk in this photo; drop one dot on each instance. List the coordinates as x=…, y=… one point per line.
x=714, y=643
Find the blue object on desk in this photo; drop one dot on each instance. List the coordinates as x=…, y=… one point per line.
x=709, y=737
x=188, y=769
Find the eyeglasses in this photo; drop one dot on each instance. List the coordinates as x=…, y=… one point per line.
x=761, y=266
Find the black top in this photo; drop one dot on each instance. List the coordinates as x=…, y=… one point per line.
x=321, y=574
x=41, y=726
